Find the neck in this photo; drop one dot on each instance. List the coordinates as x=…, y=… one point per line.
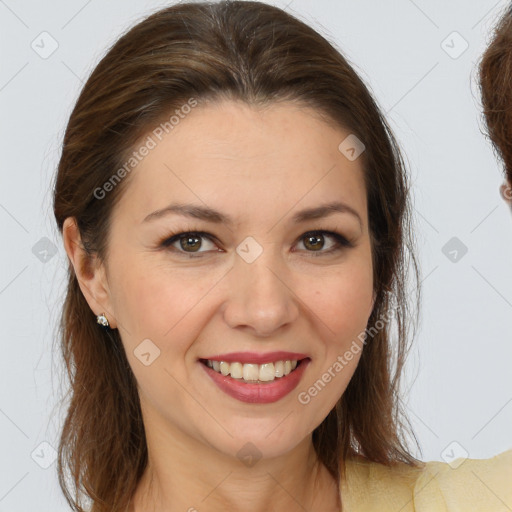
x=184, y=474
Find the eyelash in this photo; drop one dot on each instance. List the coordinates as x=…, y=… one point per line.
x=341, y=242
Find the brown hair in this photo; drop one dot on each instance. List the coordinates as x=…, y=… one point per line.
x=259, y=54
x=495, y=74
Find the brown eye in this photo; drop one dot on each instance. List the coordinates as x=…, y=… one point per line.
x=189, y=243
x=192, y=242
x=314, y=242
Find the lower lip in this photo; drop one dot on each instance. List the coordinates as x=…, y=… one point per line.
x=264, y=393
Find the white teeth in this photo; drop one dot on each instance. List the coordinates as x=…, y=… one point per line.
x=267, y=372
x=235, y=369
x=253, y=372
x=224, y=368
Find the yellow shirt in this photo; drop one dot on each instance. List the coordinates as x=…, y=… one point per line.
x=483, y=485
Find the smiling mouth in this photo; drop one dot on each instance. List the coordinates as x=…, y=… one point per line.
x=254, y=373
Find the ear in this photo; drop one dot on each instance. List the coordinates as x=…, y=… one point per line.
x=506, y=192
x=89, y=271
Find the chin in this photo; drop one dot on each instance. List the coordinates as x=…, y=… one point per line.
x=266, y=440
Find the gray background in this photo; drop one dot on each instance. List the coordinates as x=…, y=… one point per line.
x=460, y=389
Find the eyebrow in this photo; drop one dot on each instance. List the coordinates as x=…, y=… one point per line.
x=210, y=215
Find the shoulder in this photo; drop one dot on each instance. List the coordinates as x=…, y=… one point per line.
x=369, y=486
x=468, y=485
x=475, y=484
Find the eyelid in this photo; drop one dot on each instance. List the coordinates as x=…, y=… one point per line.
x=341, y=241
x=169, y=240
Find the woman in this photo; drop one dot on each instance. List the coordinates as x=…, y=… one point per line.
x=235, y=212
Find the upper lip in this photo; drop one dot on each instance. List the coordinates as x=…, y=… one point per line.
x=257, y=357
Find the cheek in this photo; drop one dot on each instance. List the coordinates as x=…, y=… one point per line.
x=168, y=305
x=154, y=303
x=343, y=300
x=342, y=304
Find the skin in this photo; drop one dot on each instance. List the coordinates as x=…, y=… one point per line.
x=506, y=192
x=259, y=166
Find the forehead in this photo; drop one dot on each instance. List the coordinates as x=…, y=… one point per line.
x=246, y=160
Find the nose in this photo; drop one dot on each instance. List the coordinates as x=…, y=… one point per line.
x=261, y=298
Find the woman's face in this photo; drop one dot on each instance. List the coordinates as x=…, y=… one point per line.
x=254, y=283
